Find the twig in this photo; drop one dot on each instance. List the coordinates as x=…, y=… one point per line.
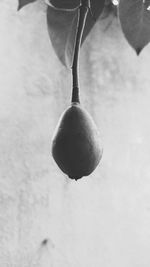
x=83, y=11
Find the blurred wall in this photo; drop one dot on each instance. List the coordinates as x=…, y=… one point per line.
x=47, y=219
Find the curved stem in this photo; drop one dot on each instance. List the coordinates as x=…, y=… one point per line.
x=83, y=11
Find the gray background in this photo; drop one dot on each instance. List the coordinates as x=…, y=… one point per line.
x=101, y=220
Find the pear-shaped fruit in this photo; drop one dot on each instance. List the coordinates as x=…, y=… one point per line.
x=76, y=144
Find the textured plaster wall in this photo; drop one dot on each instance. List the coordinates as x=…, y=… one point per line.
x=47, y=220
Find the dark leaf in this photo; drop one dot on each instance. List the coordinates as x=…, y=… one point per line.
x=134, y=17
x=23, y=3
x=62, y=27
x=65, y=4
x=96, y=10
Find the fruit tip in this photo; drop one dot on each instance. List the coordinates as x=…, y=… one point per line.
x=74, y=178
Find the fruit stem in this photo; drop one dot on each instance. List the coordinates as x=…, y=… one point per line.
x=83, y=11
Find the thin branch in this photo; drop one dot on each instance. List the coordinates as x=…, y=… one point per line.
x=83, y=11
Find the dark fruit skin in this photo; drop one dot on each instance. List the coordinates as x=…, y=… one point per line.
x=76, y=145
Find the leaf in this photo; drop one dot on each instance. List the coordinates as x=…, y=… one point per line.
x=96, y=10
x=65, y=4
x=134, y=17
x=62, y=27
x=23, y=3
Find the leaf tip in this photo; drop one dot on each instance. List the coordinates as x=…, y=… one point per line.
x=19, y=7
x=138, y=51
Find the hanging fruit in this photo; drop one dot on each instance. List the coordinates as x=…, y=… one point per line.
x=76, y=144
